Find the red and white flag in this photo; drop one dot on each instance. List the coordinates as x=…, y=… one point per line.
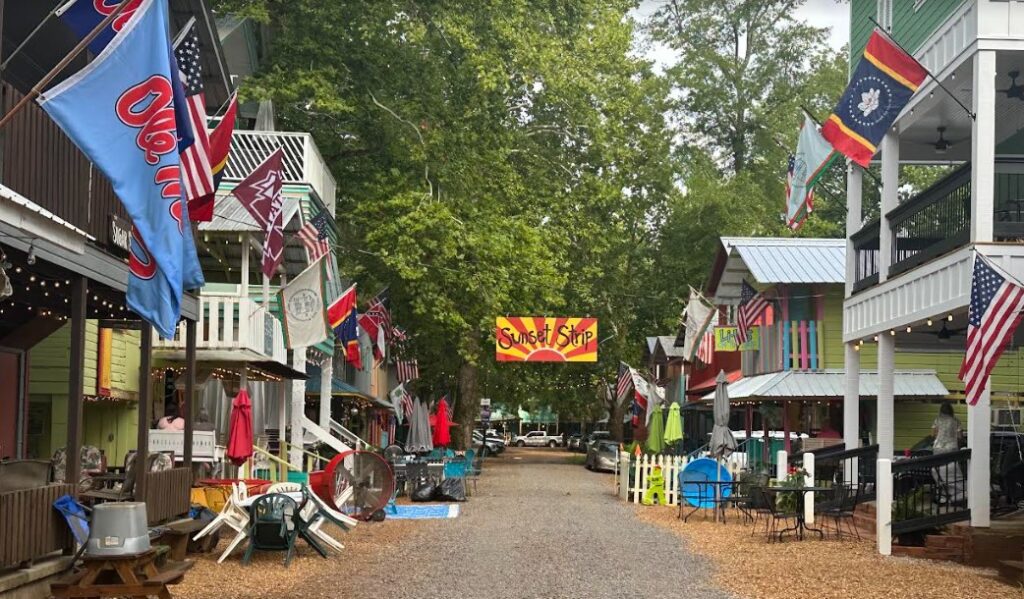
x=196, y=172
x=407, y=370
x=706, y=347
x=995, y=312
x=752, y=305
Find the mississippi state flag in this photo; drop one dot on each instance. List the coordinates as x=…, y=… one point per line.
x=885, y=80
x=342, y=317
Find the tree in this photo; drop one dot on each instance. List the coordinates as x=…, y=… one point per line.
x=493, y=158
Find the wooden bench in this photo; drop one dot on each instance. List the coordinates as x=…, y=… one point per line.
x=177, y=536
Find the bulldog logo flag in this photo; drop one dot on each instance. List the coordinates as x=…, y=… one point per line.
x=119, y=110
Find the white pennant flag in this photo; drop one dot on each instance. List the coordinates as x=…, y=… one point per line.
x=305, y=317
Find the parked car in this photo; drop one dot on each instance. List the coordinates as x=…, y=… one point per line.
x=595, y=436
x=495, y=445
x=538, y=439
x=575, y=442
x=602, y=455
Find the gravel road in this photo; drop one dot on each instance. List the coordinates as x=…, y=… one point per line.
x=539, y=527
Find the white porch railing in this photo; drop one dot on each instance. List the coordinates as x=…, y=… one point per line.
x=302, y=160
x=229, y=322
x=204, y=444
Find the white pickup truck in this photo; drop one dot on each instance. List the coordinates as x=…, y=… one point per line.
x=538, y=439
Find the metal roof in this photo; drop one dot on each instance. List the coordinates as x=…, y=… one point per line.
x=830, y=384
x=772, y=260
x=668, y=346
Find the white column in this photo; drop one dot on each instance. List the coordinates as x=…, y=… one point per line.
x=890, y=149
x=282, y=426
x=883, y=507
x=244, y=291
x=979, y=423
x=326, y=376
x=809, y=481
x=851, y=396
x=886, y=380
x=854, y=187
x=983, y=147
x=298, y=402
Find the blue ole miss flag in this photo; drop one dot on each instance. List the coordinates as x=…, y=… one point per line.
x=885, y=80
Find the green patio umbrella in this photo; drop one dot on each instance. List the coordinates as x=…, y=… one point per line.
x=654, y=431
x=674, y=426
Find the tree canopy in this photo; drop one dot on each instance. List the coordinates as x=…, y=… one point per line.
x=507, y=157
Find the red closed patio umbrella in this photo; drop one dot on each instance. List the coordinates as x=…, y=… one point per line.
x=442, y=435
x=240, y=429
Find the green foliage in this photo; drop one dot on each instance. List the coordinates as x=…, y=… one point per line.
x=508, y=157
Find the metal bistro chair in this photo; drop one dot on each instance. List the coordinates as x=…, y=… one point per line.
x=841, y=508
x=272, y=526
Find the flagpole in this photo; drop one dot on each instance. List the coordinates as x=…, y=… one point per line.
x=46, y=19
x=929, y=73
x=64, y=62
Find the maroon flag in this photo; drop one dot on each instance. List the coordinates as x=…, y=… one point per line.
x=260, y=193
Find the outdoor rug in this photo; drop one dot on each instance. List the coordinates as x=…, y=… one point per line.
x=423, y=512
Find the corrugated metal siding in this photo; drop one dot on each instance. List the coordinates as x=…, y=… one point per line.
x=912, y=27
x=776, y=260
x=42, y=164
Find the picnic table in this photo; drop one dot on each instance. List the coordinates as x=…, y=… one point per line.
x=132, y=575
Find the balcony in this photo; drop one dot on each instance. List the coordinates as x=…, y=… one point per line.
x=303, y=163
x=938, y=221
x=230, y=330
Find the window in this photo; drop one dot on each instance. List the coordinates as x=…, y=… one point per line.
x=883, y=10
x=1006, y=416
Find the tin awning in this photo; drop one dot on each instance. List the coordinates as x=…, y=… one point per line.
x=829, y=384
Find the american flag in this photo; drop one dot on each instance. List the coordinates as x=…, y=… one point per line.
x=406, y=405
x=752, y=305
x=399, y=334
x=407, y=370
x=314, y=236
x=625, y=380
x=196, y=173
x=995, y=312
x=706, y=347
x=380, y=312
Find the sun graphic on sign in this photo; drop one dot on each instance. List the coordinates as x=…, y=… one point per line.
x=543, y=339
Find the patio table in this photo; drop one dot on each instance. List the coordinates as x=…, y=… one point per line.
x=708, y=491
x=801, y=499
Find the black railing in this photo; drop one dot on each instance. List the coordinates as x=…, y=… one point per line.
x=930, y=491
x=933, y=222
x=937, y=221
x=852, y=466
x=865, y=248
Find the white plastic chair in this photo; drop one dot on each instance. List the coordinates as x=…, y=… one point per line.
x=313, y=511
x=234, y=516
x=285, y=488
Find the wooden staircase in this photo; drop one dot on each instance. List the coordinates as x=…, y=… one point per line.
x=945, y=547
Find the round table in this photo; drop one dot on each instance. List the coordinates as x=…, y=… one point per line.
x=801, y=496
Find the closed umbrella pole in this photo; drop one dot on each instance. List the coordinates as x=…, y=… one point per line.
x=240, y=429
x=722, y=441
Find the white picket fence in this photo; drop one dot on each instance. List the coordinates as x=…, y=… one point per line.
x=641, y=468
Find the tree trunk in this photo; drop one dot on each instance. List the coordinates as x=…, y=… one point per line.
x=467, y=407
x=615, y=420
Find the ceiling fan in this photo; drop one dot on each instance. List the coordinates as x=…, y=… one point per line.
x=946, y=333
x=1015, y=90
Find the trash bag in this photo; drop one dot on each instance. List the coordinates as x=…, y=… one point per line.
x=451, y=489
x=424, y=492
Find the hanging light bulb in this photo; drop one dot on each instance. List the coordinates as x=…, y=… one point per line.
x=929, y=322
x=950, y=318
x=908, y=329
x=892, y=332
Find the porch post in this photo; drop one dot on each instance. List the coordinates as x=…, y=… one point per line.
x=190, y=391
x=983, y=149
x=886, y=389
x=145, y=401
x=854, y=211
x=979, y=489
x=851, y=397
x=890, y=149
x=298, y=403
x=76, y=383
x=326, y=376
x=979, y=421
